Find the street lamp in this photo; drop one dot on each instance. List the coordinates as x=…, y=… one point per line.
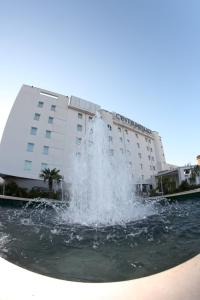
x=2, y=182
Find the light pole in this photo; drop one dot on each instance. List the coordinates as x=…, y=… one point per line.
x=161, y=184
x=2, y=182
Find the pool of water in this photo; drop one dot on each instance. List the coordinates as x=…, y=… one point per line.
x=36, y=239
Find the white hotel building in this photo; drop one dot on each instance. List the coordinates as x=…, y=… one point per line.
x=44, y=129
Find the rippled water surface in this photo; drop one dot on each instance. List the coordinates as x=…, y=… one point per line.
x=36, y=239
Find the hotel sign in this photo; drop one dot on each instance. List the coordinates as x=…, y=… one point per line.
x=132, y=123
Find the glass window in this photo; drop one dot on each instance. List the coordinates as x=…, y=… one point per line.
x=33, y=130
x=78, y=154
x=154, y=168
x=121, y=150
x=149, y=157
x=120, y=139
x=140, y=155
x=110, y=138
x=30, y=147
x=119, y=128
x=27, y=165
x=109, y=127
x=53, y=107
x=141, y=166
x=48, y=134
x=44, y=166
x=40, y=104
x=45, y=150
x=36, y=116
x=128, y=141
x=138, y=145
x=142, y=177
x=80, y=116
x=126, y=131
x=136, y=135
x=50, y=120
x=78, y=140
x=79, y=127
x=90, y=118
x=111, y=152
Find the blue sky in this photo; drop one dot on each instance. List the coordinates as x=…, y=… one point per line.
x=139, y=58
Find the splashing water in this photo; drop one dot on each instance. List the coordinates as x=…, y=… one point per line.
x=102, y=191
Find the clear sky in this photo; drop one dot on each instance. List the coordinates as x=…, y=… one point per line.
x=140, y=58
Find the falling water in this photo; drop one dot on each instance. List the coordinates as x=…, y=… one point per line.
x=102, y=191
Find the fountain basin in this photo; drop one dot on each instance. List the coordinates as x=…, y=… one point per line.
x=181, y=282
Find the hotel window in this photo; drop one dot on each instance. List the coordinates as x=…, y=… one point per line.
x=109, y=127
x=140, y=155
x=141, y=166
x=48, y=134
x=78, y=140
x=130, y=163
x=111, y=152
x=151, y=149
x=119, y=128
x=90, y=118
x=146, y=139
x=44, y=166
x=154, y=168
x=152, y=158
x=138, y=145
x=142, y=177
x=80, y=116
x=120, y=139
x=27, y=165
x=147, y=148
x=33, y=130
x=126, y=131
x=53, y=107
x=36, y=116
x=129, y=152
x=110, y=138
x=30, y=147
x=40, y=104
x=79, y=127
x=90, y=143
x=136, y=135
x=150, y=167
x=45, y=150
x=149, y=141
x=128, y=141
x=50, y=120
x=149, y=157
x=78, y=154
x=121, y=150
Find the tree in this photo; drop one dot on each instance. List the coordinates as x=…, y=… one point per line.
x=51, y=176
x=195, y=172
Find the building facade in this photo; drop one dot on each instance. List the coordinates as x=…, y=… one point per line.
x=45, y=129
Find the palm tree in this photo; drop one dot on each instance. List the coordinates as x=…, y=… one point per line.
x=51, y=176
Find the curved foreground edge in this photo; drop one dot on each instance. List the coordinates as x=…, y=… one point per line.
x=181, y=282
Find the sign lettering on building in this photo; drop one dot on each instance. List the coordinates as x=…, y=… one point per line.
x=132, y=123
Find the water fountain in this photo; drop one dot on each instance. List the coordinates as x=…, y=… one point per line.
x=106, y=234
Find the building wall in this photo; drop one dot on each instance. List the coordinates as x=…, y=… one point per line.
x=142, y=147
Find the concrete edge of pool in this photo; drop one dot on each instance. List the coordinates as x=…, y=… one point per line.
x=181, y=282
